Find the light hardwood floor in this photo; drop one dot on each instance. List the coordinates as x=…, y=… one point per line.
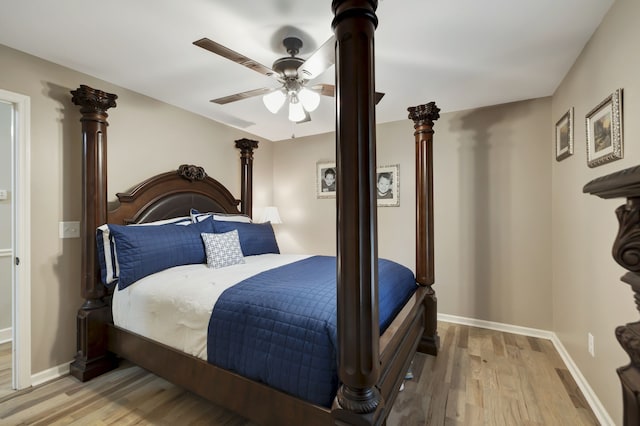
x=5, y=369
x=480, y=377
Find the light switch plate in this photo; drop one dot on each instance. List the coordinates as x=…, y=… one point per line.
x=3, y=194
x=69, y=230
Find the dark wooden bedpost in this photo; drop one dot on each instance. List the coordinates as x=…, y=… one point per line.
x=423, y=117
x=246, y=147
x=92, y=358
x=626, y=251
x=358, y=400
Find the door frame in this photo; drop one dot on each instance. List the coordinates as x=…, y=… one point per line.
x=20, y=238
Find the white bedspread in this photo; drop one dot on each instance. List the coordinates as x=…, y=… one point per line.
x=174, y=306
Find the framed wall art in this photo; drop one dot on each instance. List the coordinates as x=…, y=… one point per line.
x=326, y=179
x=604, y=131
x=388, y=186
x=564, y=136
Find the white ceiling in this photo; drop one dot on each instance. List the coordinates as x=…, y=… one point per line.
x=460, y=53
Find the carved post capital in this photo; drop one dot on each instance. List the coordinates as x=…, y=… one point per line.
x=92, y=100
x=246, y=147
x=424, y=114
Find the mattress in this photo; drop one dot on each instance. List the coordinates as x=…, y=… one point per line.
x=174, y=306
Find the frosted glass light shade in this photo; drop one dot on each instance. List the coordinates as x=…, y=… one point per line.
x=271, y=214
x=274, y=100
x=296, y=112
x=310, y=99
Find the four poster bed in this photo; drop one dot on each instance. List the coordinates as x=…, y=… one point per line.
x=372, y=342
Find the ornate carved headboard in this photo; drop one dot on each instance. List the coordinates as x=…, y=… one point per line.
x=172, y=194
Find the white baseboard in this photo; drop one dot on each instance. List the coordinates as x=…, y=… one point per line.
x=50, y=374
x=592, y=399
x=6, y=335
x=589, y=394
x=507, y=328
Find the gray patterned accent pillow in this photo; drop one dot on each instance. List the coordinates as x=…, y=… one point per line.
x=222, y=249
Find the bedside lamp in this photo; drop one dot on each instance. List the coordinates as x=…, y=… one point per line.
x=270, y=214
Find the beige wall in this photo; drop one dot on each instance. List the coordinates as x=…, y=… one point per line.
x=587, y=293
x=492, y=208
x=145, y=137
x=493, y=214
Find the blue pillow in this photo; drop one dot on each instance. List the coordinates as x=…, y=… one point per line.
x=255, y=238
x=107, y=248
x=144, y=250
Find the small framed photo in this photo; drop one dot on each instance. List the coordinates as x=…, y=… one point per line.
x=388, y=186
x=326, y=178
x=604, y=131
x=564, y=136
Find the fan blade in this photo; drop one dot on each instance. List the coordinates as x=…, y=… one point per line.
x=324, y=89
x=330, y=90
x=236, y=57
x=319, y=61
x=241, y=96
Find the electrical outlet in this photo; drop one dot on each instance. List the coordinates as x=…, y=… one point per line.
x=69, y=230
x=591, y=344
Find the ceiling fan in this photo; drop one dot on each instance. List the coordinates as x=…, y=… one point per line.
x=292, y=72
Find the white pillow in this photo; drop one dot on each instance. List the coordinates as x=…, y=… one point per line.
x=222, y=249
x=196, y=216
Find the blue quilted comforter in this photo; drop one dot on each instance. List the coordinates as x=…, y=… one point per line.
x=280, y=327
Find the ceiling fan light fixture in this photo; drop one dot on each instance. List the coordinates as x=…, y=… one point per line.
x=309, y=99
x=274, y=100
x=296, y=111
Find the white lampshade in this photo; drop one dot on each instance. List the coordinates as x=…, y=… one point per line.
x=274, y=100
x=309, y=99
x=296, y=112
x=271, y=214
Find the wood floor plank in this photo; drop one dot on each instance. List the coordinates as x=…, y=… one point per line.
x=5, y=369
x=480, y=377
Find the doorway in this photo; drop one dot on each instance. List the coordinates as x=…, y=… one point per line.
x=15, y=272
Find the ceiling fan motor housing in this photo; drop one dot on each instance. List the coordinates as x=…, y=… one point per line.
x=287, y=67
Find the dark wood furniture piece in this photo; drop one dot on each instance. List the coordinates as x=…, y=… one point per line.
x=372, y=367
x=626, y=251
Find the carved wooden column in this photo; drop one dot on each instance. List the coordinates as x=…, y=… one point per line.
x=92, y=358
x=357, y=251
x=246, y=147
x=626, y=251
x=423, y=117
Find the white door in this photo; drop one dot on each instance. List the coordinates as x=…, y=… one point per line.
x=15, y=230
